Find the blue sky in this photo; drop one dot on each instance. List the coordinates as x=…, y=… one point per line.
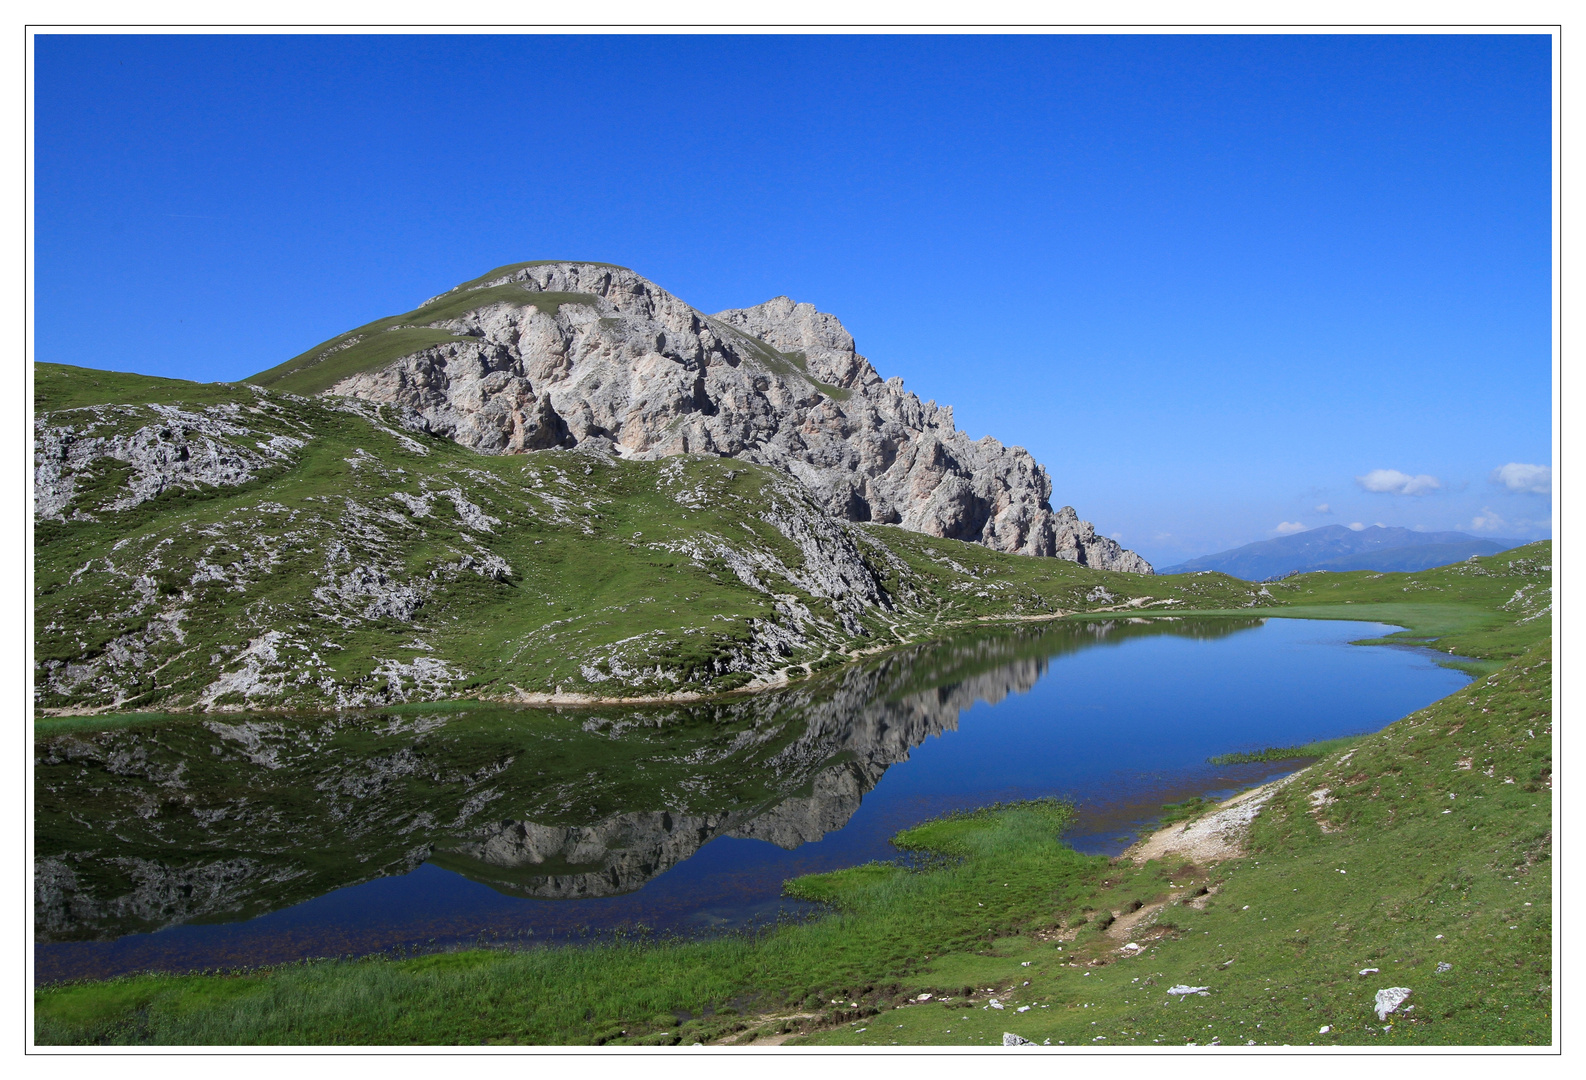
x=1213, y=283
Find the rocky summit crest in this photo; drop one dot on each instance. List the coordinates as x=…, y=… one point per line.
x=593, y=356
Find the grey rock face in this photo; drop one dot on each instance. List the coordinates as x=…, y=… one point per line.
x=643, y=375
x=179, y=450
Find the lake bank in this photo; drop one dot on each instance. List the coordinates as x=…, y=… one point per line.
x=874, y=970
x=1278, y=936
x=249, y=841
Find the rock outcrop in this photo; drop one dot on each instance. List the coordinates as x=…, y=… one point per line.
x=619, y=364
x=237, y=547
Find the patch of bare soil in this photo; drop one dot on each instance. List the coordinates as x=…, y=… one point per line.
x=1057, y=933
x=767, y=1030
x=1122, y=927
x=1212, y=837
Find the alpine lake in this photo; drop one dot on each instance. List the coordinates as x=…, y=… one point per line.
x=197, y=842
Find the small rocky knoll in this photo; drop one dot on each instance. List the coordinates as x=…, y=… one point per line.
x=616, y=363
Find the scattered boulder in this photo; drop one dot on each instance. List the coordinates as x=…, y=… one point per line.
x=1389, y=1000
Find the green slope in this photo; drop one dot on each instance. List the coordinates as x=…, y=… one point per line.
x=59, y=387
x=598, y=573
x=376, y=344
x=327, y=557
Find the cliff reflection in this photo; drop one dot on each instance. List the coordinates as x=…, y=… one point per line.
x=215, y=819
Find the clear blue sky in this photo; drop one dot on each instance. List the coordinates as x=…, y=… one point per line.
x=1208, y=281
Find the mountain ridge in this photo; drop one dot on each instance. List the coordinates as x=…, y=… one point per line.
x=548, y=354
x=1339, y=548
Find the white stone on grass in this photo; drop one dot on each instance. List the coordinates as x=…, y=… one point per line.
x=1389, y=999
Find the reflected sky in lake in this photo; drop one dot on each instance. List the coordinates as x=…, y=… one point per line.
x=221, y=842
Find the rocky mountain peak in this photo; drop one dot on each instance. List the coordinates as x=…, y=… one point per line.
x=594, y=356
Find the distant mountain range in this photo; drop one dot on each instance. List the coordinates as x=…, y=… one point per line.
x=1337, y=547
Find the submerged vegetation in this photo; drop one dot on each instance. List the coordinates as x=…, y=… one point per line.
x=1186, y=809
x=1319, y=748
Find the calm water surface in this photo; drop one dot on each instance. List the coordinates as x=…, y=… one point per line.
x=241, y=840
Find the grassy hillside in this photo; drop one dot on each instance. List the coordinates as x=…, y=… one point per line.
x=222, y=546
x=58, y=387
x=1482, y=611
x=1422, y=853
x=227, y=546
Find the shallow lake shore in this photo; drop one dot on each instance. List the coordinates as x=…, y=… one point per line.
x=1420, y=855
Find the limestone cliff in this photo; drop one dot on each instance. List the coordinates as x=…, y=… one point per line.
x=580, y=354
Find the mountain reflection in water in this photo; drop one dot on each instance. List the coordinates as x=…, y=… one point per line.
x=217, y=819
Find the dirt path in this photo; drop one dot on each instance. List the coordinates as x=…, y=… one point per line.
x=756, y=1035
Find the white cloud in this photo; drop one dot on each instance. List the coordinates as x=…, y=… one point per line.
x=1357, y=525
x=1286, y=527
x=1532, y=479
x=1394, y=482
x=1487, y=521
x=1323, y=508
